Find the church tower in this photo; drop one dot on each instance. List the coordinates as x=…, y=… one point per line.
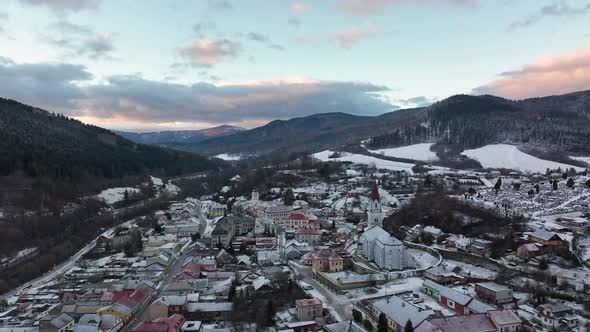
x=375, y=212
x=255, y=196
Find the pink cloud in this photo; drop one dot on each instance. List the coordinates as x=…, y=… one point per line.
x=299, y=8
x=546, y=76
x=366, y=7
x=346, y=38
x=208, y=52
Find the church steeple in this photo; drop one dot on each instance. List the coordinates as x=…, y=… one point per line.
x=375, y=212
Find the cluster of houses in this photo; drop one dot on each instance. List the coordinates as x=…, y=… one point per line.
x=182, y=274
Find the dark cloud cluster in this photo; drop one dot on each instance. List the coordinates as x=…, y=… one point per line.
x=260, y=38
x=556, y=9
x=57, y=87
x=79, y=40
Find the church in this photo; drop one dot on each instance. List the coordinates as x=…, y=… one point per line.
x=377, y=245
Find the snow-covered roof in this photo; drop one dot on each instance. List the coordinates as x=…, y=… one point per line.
x=379, y=234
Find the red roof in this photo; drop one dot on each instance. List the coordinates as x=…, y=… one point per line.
x=113, y=296
x=308, y=231
x=374, y=195
x=298, y=216
x=170, y=324
x=307, y=302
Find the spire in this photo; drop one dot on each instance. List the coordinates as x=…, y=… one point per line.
x=374, y=195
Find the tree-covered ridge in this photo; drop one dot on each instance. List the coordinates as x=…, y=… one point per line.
x=472, y=121
x=50, y=145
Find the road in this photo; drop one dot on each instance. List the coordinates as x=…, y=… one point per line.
x=57, y=271
x=144, y=314
x=63, y=267
x=331, y=300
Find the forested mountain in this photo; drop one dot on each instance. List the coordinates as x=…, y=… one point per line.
x=48, y=155
x=465, y=121
x=180, y=136
x=557, y=122
x=307, y=134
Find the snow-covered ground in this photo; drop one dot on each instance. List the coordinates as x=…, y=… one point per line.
x=365, y=160
x=468, y=270
x=229, y=157
x=170, y=187
x=114, y=195
x=509, y=156
x=423, y=258
x=584, y=159
x=416, y=152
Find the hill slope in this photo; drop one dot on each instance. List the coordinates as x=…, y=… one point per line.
x=44, y=144
x=307, y=134
x=550, y=123
x=51, y=157
x=181, y=136
x=461, y=121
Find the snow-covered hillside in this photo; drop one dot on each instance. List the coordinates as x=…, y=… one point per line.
x=416, y=152
x=228, y=157
x=114, y=195
x=584, y=159
x=509, y=156
x=365, y=160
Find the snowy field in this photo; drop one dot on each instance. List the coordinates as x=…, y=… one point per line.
x=468, y=270
x=584, y=159
x=423, y=258
x=416, y=152
x=229, y=157
x=508, y=156
x=114, y=195
x=365, y=160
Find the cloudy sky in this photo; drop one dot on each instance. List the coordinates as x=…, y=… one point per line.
x=188, y=64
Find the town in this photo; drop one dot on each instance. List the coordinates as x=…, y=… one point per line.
x=333, y=246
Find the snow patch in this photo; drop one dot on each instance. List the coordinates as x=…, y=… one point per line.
x=415, y=152
x=509, y=156
x=114, y=195
x=364, y=160
x=229, y=157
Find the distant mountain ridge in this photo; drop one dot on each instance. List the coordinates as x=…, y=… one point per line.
x=179, y=136
x=467, y=121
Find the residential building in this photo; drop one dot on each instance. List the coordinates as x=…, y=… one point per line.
x=494, y=293
x=325, y=260
x=168, y=324
x=530, y=250
x=61, y=323
x=224, y=231
x=494, y=321
x=549, y=239
x=308, y=235
x=505, y=320
x=278, y=213
x=308, y=309
x=555, y=315
x=462, y=304
x=398, y=312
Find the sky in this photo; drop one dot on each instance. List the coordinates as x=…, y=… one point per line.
x=152, y=65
